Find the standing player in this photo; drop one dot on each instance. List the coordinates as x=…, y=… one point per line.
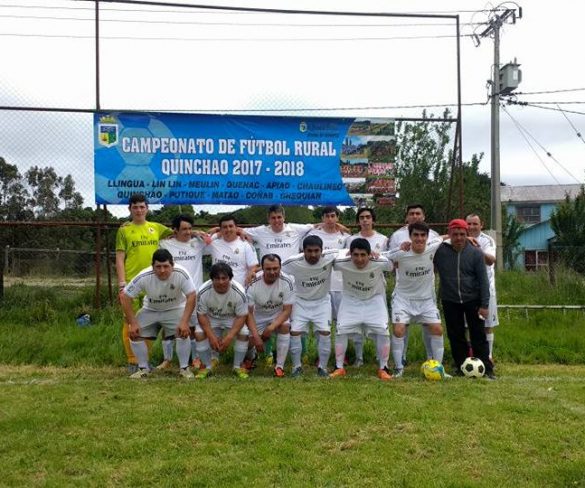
x=230, y=249
x=135, y=242
x=187, y=251
x=270, y=300
x=221, y=309
x=413, y=299
x=414, y=213
x=168, y=304
x=363, y=304
x=366, y=218
x=312, y=273
x=488, y=246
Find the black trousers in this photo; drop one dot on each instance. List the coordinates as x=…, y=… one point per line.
x=455, y=316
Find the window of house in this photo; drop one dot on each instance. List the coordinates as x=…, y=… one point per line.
x=535, y=260
x=528, y=214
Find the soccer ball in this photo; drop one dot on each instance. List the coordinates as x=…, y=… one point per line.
x=473, y=368
x=432, y=370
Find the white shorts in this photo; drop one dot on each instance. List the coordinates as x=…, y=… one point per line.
x=151, y=322
x=262, y=324
x=357, y=316
x=492, y=318
x=335, y=302
x=220, y=326
x=318, y=312
x=406, y=311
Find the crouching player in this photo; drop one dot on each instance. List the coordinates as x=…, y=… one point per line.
x=270, y=300
x=221, y=308
x=168, y=304
x=363, y=304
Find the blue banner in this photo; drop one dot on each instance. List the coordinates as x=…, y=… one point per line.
x=216, y=159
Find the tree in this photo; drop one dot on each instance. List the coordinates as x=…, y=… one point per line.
x=13, y=193
x=49, y=192
x=512, y=229
x=568, y=224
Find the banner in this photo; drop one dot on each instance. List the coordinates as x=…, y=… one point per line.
x=215, y=159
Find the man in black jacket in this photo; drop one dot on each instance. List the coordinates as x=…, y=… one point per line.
x=464, y=293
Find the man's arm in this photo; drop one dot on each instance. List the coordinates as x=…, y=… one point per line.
x=183, y=327
x=254, y=336
x=237, y=325
x=133, y=327
x=280, y=319
x=484, y=285
x=205, y=324
x=121, y=268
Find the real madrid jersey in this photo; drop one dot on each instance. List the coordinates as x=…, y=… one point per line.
x=332, y=240
x=312, y=281
x=187, y=254
x=268, y=299
x=488, y=246
x=161, y=295
x=285, y=243
x=363, y=283
x=238, y=254
x=222, y=306
x=377, y=241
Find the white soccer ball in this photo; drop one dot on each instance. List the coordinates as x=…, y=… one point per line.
x=473, y=368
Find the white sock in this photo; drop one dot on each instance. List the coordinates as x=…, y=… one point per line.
x=141, y=352
x=427, y=341
x=490, y=340
x=204, y=352
x=282, y=344
x=405, y=347
x=382, y=350
x=251, y=352
x=183, y=351
x=167, y=347
x=296, y=350
x=324, y=346
x=340, y=348
x=194, y=354
x=397, y=349
x=358, y=346
x=437, y=347
x=240, y=348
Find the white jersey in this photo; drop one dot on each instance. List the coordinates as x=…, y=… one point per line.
x=488, y=246
x=415, y=274
x=401, y=235
x=285, y=243
x=332, y=240
x=238, y=253
x=268, y=300
x=312, y=281
x=378, y=242
x=363, y=283
x=187, y=254
x=222, y=306
x=161, y=295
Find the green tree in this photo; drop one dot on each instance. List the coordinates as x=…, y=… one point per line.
x=49, y=192
x=511, y=231
x=13, y=193
x=568, y=224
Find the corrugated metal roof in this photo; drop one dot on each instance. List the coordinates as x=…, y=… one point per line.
x=538, y=193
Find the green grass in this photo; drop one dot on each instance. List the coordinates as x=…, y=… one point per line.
x=95, y=427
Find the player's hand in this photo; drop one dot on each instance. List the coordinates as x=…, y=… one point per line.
x=473, y=241
x=267, y=334
x=249, y=277
x=375, y=254
x=133, y=331
x=405, y=246
x=258, y=342
x=483, y=313
x=183, y=330
x=214, y=342
x=224, y=343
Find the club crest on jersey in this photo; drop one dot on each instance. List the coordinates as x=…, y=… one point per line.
x=287, y=234
x=371, y=275
x=151, y=230
x=172, y=287
x=280, y=295
x=236, y=251
x=230, y=304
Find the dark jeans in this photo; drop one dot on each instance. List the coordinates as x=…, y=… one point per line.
x=455, y=316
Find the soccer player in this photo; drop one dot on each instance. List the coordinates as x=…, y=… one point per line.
x=236, y=252
x=366, y=218
x=413, y=299
x=488, y=246
x=188, y=252
x=222, y=309
x=270, y=300
x=363, y=304
x=414, y=213
x=465, y=295
x=169, y=302
x=312, y=273
x=135, y=242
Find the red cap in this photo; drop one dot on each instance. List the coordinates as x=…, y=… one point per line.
x=458, y=224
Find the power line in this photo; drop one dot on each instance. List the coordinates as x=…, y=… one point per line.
x=526, y=104
x=572, y=125
x=565, y=90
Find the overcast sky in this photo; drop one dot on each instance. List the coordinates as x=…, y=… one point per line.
x=174, y=59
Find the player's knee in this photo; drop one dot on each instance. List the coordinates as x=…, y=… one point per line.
x=399, y=330
x=284, y=329
x=200, y=336
x=435, y=329
x=324, y=333
x=242, y=337
x=295, y=333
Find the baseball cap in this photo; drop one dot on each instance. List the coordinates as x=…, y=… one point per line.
x=458, y=224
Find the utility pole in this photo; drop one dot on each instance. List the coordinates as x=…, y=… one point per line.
x=498, y=17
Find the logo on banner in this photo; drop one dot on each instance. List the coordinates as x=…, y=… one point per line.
x=108, y=131
x=303, y=127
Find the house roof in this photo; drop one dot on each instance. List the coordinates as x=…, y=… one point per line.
x=538, y=193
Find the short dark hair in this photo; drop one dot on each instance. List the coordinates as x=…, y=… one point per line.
x=219, y=269
x=365, y=209
x=227, y=217
x=330, y=209
x=360, y=243
x=414, y=205
x=312, y=241
x=162, y=256
x=421, y=226
x=270, y=257
x=276, y=208
x=137, y=198
x=176, y=224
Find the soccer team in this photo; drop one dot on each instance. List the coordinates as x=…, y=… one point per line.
x=274, y=302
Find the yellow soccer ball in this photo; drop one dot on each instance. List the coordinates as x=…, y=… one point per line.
x=432, y=370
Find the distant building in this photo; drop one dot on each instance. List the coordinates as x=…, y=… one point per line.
x=533, y=206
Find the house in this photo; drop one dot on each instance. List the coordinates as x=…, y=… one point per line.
x=533, y=206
